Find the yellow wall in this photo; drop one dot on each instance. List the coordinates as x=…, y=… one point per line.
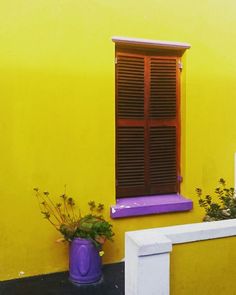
x=204, y=268
x=57, y=111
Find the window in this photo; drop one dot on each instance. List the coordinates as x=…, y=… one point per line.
x=147, y=118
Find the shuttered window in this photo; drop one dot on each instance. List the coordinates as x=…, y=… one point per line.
x=147, y=123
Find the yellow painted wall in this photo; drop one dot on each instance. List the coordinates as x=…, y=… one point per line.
x=205, y=267
x=57, y=111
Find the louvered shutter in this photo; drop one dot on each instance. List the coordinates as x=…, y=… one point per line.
x=163, y=125
x=147, y=118
x=130, y=154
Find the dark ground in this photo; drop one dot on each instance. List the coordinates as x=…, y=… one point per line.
x=58, y=284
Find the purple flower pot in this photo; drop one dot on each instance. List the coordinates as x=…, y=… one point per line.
x=85, y=264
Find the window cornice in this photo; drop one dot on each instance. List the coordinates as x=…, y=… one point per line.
x=152, y=44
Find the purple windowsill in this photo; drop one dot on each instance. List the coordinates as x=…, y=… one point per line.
x=148, y=205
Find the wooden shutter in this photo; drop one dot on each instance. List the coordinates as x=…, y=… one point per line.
x=163, y=125
x=147, y=153
x=130, y=138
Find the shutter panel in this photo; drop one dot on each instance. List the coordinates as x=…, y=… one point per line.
x=130, y=134
x=130, y=87
x=163, y=166
x=130, y=161
x=162, y=88
x=163, y=127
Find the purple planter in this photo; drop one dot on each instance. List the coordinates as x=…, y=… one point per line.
x=85, y=264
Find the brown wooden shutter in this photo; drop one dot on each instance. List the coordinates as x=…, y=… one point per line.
x=163, y=125
x=130, y=135
x=147, y=119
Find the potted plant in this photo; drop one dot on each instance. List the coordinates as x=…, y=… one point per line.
x=220, y=206
x=85, y=233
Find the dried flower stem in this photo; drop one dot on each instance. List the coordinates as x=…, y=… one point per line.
x=46, y=206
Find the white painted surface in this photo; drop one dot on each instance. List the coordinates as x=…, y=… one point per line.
x=158, y=276
x=140, y=281
x=147, y=253
x=156, y=43
x=150, y=244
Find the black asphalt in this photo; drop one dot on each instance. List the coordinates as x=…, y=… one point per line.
x=58, y=284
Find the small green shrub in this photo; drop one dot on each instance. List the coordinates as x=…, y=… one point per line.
x=220, y=206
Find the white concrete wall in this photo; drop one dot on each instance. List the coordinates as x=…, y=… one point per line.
x=147, y=253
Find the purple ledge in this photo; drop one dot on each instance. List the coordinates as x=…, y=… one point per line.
x=147, y=205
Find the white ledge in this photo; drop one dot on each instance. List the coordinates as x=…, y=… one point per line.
x=147, y=253
x=149, y=245
x=151, y=43
x=154, y=241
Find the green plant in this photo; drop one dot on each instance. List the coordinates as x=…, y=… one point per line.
x=69, y=221
x=220, y=206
